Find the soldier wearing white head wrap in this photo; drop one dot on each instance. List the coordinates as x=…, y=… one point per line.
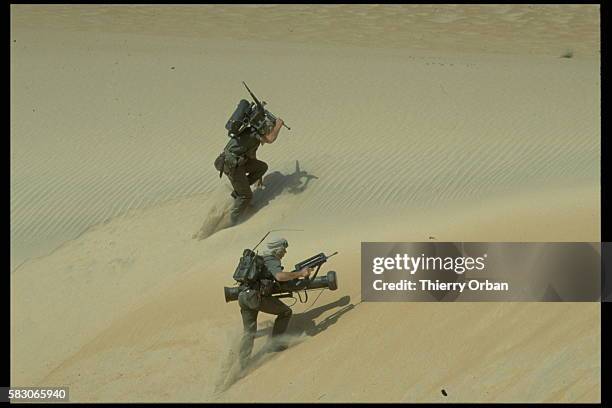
x=251, y=302
x=275, y=246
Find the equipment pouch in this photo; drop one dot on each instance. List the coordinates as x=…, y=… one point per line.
x=266, y=287
x=240, y=160
x=250, y=299
x=249, y=267
x=239, y=118
x=219, y=163
x=232, y=161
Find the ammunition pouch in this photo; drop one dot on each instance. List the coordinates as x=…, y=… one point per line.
x=226, y=162
x=266, y=287
x=250, y=296
x=250, y=299
x=231, y=161
x=220, y=163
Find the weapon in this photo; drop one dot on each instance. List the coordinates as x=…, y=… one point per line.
x=313, y=261
x=258, y=112
x=286, y=289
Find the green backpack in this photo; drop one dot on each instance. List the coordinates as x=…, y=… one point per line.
x=249, y=268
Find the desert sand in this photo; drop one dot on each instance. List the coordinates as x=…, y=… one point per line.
x=409, y=123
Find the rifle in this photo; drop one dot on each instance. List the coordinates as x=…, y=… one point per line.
x=260, y=112
x=286, y=289
x=313, y=261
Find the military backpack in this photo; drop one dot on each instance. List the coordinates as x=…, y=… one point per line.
x=239, y=119
x=250, y=267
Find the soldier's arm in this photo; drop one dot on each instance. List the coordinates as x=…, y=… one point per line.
x=287, y=276
x=273, y=266
x=271, y=137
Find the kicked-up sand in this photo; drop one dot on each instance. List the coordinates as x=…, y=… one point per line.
x=409, y=123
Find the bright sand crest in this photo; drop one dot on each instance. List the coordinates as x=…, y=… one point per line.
x=459, y=123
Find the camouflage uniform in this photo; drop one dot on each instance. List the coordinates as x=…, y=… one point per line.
x=251, y=303
x=242, y=168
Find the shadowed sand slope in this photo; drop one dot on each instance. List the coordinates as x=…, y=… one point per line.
x=115, y=126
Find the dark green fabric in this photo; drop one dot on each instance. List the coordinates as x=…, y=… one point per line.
x=243, y=169
x=268, y=305
x=245, y=144
x=241, y=178
x=250, y=299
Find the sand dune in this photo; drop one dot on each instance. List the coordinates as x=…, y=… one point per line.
x=118, y=114
x=85, y=111
x=138, y=317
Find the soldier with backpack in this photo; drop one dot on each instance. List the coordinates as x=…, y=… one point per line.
x=242, y=166
x=258, y=273
x=250, y=126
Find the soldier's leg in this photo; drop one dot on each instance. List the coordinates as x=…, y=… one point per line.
x=249, y=323
x=283, y=312
x=255, y=169
x=243, y=193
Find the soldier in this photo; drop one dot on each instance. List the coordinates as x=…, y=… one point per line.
x=241, y=166
x=252, y=301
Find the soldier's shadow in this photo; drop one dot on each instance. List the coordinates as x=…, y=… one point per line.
x=300, y=325
x=304, y=323
x=277, y=183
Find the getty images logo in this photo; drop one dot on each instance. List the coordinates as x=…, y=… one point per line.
x=485, y=271
x=412, y=264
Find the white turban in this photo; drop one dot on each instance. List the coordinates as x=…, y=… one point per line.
x=275, y=244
